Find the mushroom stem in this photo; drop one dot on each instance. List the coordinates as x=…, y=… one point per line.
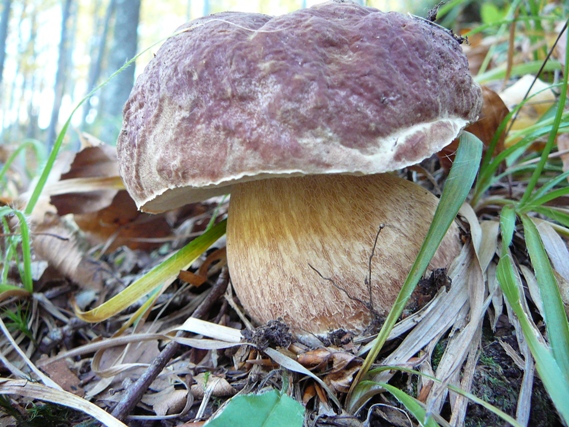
x=299, y=248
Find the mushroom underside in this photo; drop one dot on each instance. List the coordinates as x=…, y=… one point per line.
x=299, y=248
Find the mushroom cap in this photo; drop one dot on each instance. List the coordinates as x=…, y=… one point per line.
x=337, y=88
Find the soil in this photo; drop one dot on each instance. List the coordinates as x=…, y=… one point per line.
x=497, y=380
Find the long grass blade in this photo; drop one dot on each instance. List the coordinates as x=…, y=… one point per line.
x=155, y=277
x=553, y=310
x=413, y=405
x=546, y=365
x=552, y=135
x=457, y=187
x=453, y=388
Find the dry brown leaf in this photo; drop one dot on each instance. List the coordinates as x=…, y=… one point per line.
x=59, y=372
x=89, y=183
x=476, y=51
x=331, y=360
x=342, y=380
x=563, y=146
x=167, y=401
x=120, y=363
x=542, y=98
x=309, y=393
x=561, y=46
x=219, y=386
x=124, y=224
x=493, y=113
x=56, y=243
x=91, y=189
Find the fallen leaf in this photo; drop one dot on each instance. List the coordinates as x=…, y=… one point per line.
x=59, y=372
x=167, y=401
x=542, y=98
x=219, y=386
x=57, y=243
x=493, y=113
x=563, y=146
x=120, y=223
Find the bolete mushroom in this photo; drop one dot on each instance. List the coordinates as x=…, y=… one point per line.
x=301, y=117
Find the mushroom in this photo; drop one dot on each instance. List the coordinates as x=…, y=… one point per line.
x=301, y=118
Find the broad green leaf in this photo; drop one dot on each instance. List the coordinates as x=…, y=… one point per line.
x=156, y=277
x=457, y=187
x=271, y=409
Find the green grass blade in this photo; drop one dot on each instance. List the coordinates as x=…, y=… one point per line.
x=26, y=253
x=5, y=287
x=451, y=387
x=546, y=365
x=11, y=251
x=550, y=184
x=555, y=214
x=531, y=67
x=536, y=201
x=416, y=408
x=155, y=277
x=457, y=187
x=552, y=135
x=553, y=310
x=508, y=226
x=36, y=146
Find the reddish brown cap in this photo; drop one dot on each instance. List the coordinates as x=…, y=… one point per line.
x=336, y=88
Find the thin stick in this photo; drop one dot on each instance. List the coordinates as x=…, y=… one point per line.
x=133, y=395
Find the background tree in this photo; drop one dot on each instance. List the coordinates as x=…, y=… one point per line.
x=4, y=20
x=124, y=47
x=59, y=86
x=98, y=49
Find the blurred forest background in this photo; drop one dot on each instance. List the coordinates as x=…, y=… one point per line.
x=54, y=52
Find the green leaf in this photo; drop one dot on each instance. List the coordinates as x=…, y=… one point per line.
x=457, y=187
x=553, y=310
x=490, y=13
x=544, y=156
x=456, y=389
x=555, y=214
x=271, y=409
x=155, y=277
x=508, y=226
x=545, y=363
x=413, y=405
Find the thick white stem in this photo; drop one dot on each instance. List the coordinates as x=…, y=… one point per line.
x=281, y=230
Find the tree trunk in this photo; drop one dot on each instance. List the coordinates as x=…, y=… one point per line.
x=60, y=73
x=98, y=51
x=124, y=46
x=5, y=19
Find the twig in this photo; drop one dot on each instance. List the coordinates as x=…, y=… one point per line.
x=133, y=395
x=368, y=278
